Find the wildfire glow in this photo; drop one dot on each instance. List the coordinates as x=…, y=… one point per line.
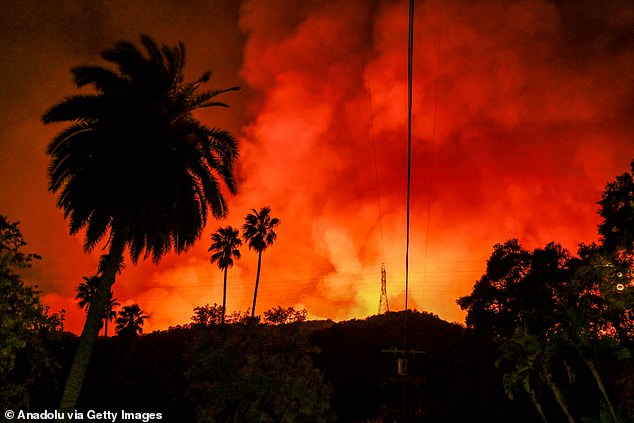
x=519, y=122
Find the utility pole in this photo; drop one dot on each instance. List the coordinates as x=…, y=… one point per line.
x=403, y=379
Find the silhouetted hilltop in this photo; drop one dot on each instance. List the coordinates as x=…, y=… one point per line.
x=190, y=371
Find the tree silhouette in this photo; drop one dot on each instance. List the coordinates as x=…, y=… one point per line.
x=611, y=263
x=259, y=233
x=516, y=303
x=27, y=329
x=282, y=316
x=224, y=248
x=208, y=315
x=548, y=309
x=85, y=293
x=597, y=317
x=111, y=313
x=617, y=211
x=492, y=307
x=130, y=321
x=136, y=167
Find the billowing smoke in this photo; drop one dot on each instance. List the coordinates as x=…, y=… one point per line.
x=522, y=111
x=517, y=125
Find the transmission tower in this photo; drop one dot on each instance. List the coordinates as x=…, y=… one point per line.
x=383, y=305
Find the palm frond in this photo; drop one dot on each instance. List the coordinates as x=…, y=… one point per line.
x=96, y=230
x=211, y=190
x=73, y=130
x=201, y=100
x=156, y=57
x=77, y=107
x=128, y=58
x=175, y=61
x=104, y=80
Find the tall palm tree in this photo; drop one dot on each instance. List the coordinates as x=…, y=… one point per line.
x=85, y=294
x=224, y=245
x=136, y=167
x=130, y=321
x=259, y=233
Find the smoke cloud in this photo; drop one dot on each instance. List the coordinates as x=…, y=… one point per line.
x=522, y=112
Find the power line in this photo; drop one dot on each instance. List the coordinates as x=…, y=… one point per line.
x=367, y=272
x=410, y=59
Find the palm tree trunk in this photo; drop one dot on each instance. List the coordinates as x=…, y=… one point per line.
x=257, y=282
x=224, y=297
x=597, y=378
x=557, y=394
x=92, y=326
x=105, y=328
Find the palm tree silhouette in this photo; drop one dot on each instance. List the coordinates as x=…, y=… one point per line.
x=85, y=294
x=259, y=233
x=130, y=321
x=135, y=167
x=224, y=245
x=111, y=313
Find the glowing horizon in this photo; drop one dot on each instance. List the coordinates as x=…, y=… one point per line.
x=533, y=117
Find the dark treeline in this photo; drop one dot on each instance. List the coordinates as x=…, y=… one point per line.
x=327, y=371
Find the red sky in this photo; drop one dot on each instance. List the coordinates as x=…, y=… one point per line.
x=522, y=112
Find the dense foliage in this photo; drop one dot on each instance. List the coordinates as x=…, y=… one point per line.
x=558, y=318
x=29, y=334
x=252, y=373
x=347, y=370
x=208, y=373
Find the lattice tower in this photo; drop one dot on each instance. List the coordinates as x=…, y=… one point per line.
x=383, y=305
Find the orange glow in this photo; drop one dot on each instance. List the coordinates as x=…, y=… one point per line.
x=519, y=122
